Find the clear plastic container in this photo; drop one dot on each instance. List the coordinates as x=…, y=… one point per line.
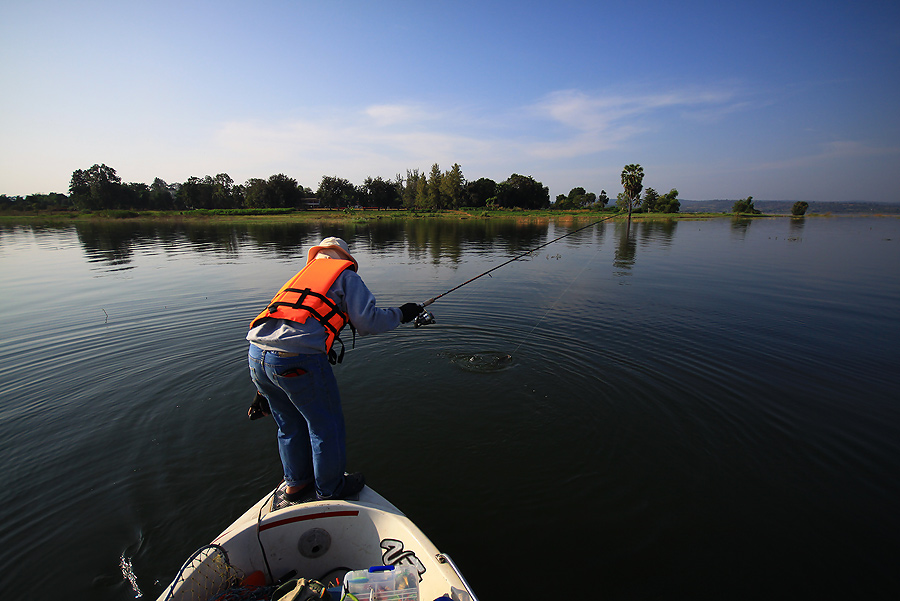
x=384, y=583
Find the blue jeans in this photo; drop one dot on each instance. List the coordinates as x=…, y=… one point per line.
x=305, y=402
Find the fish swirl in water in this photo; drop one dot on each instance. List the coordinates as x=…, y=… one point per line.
x=481, y=362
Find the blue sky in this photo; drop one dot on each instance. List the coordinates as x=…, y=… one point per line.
x=778, y=100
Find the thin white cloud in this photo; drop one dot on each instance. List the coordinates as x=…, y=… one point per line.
x=412, y=135
x=595, y=123
x=854, y=148
x=384, y=115
x=378, y=141
x=716, y=113
x=564, y=130
x=580, y=110
x=829, y=151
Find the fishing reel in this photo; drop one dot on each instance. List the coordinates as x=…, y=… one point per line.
x=423, y=319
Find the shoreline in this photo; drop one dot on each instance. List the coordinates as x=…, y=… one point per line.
x=364, y=215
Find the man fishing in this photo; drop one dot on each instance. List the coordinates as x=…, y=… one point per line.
x=291, y=353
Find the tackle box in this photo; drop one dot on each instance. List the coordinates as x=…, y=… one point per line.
x=384, y=583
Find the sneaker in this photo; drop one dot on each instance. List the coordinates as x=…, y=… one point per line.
x=283, y=498
x=353, y=483
x=307, y=493
x=278, y=501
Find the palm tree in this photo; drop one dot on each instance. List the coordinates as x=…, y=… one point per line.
x=632, y=176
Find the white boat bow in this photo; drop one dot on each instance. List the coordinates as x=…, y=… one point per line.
x=317, y=540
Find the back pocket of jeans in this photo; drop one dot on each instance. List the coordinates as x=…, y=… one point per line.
x=294, y=372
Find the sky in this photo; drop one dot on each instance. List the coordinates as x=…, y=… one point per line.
x=782, y=100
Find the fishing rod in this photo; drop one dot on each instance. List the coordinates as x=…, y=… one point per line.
x=425, y=317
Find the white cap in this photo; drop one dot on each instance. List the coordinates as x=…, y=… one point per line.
x=335, y=244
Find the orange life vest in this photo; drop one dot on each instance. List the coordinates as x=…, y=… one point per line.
x=303, y=296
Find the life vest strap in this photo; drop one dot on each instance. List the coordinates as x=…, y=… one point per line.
x=335, y=358
x=298, y=304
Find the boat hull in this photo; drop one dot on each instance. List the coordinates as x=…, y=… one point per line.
x=323, y=540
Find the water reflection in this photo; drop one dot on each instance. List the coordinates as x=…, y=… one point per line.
x=740, y=226
x=647, y=233
x=657, y=232
x=113, y=245
x=445, y=239
x=626, y=247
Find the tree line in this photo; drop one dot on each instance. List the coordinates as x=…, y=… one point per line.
x=629, y=199
x=100, y=188
x=745, y=206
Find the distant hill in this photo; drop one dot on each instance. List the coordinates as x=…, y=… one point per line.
x=783, y=207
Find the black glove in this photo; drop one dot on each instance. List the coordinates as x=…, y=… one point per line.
x=410, y=311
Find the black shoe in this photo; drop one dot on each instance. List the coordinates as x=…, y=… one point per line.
x=284, y=499
x=353, y=483
x=306, y=493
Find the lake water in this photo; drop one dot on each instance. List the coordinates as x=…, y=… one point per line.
x=695, y=409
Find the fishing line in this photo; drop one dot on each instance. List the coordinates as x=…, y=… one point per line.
x=562, y=294
x=517, y=257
